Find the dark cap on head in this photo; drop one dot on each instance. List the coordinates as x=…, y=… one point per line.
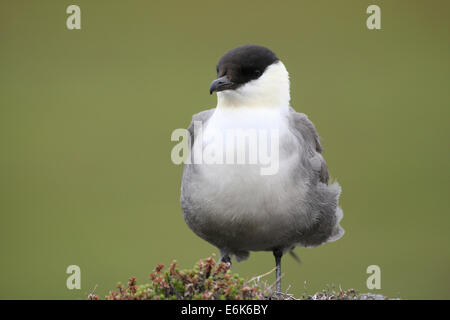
x=241, y=65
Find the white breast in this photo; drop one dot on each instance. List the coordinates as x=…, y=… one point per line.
x=239, y=192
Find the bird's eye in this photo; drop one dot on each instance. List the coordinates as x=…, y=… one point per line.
x=257, y=72
x=217, y=69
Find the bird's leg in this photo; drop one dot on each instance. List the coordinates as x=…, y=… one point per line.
x=226, y=259
x=278, y=253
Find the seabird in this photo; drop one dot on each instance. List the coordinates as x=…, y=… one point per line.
x=233, y=205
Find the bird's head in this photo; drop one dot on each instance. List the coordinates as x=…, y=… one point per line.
x=251, y=75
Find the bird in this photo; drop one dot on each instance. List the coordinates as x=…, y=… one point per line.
x=232, y=205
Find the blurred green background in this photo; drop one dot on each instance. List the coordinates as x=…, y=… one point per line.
x=86, y=118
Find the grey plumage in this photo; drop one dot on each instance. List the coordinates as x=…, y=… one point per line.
x=320, y=203
x=234, y=206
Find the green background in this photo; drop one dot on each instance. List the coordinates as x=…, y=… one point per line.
x=86, y=118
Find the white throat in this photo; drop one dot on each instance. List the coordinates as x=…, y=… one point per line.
x=271, y=90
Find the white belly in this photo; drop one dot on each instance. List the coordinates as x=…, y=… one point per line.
x=238, y=196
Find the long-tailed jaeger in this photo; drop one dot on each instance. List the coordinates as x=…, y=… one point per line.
x=235, y=200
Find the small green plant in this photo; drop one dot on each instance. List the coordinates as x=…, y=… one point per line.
x=208, y=280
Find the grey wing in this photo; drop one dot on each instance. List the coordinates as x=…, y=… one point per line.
x=312, y=141
x=201, y=117
x=189, y=206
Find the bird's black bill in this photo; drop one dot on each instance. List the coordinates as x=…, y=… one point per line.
x=220, y=84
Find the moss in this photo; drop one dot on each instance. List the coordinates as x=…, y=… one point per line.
x=207, y=280
x=211, y=280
